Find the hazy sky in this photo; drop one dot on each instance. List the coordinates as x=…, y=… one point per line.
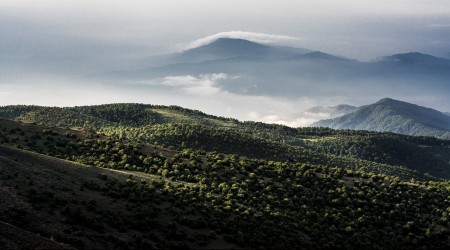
x=47, y=45
x=359, y=29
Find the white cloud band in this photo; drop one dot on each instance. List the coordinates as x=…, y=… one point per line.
x=251, y=36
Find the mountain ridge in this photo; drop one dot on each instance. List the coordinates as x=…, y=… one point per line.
x=296, y=73
x=227, y=48
x=256, y=67
x=416, y=58
x=389, y=115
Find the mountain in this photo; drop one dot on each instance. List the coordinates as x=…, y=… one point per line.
x=331, y=112
x=318, y=55
x=388, y=115
x=266, y=70
x=224, y=48
x=227, y=48
x=415, y=58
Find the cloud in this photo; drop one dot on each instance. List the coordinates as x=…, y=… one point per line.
x=302, y=121
x=201, y=85
x=299, y=122
x=251, y=36
x=205, y=92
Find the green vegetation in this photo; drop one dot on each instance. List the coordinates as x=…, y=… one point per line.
x=167, y=177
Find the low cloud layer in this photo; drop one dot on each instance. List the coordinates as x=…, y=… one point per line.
x=202, y=92
x=203, y=85
x=205, y=92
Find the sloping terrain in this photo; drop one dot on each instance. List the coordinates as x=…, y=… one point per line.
x=389, y=115
x=91, y=208
x=12, y=237
x=47, y=198
x=155, y=177
x=180, y=128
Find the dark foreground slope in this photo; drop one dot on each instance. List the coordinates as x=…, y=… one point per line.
x=12, y=237
x=231, y=203
x=388, y=115
x=53, y=202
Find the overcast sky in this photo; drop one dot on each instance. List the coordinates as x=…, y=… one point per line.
x=360, y=29
x=84, y=36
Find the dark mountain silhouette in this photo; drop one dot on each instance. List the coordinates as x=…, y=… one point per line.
x=416, y=58
x=318, y=55
x=226, y=48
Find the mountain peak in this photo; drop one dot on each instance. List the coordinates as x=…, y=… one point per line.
x=232, y=44
x=389, y=101
x=227, y=48
x=389, y=115
x=320, y=55
x=236, y=48
x=226, y=40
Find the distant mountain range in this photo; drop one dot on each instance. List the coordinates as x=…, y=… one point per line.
x=224, y=48
x=415, y=58
x=288, y=72
x=388, y=115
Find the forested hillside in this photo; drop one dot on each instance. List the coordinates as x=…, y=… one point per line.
x=156, y=177
x=180, y=128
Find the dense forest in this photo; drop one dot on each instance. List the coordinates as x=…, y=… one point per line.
x=168, y=177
